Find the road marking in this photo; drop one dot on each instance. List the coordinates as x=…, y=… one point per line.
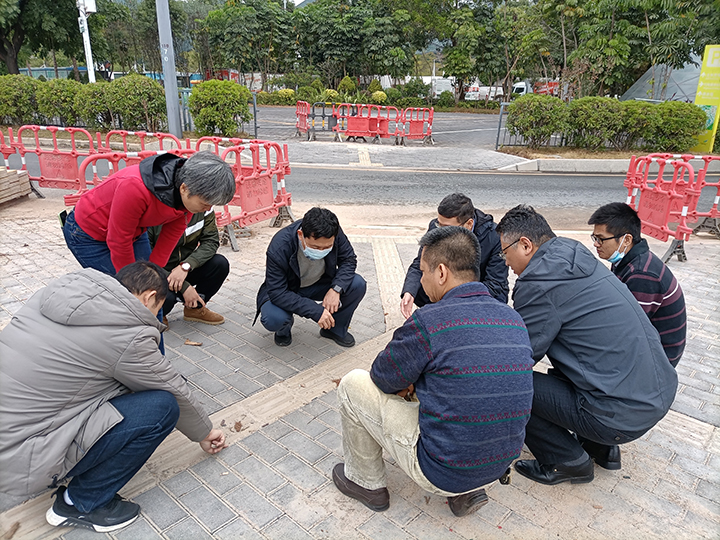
x=464, y=131
x=364, y=159
x=357, y=167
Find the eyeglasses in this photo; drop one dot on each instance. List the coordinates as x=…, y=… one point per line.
x=502, y=254
x=599, y=240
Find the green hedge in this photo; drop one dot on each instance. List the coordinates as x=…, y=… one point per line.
x=18, y=103
x=219, y=106
x=537, y=118
x=139, y=101
x=596, y=122
x=92, y=104
x=56, y=99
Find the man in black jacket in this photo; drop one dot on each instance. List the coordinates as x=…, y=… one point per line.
x=310, y=271
x=458, y=210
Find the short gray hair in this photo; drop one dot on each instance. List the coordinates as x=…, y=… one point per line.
x=209, y=177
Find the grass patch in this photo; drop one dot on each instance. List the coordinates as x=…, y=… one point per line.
x=567, y=152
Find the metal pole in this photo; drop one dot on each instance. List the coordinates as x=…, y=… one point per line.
x=82, y=22
x=167, y=53
x=497, y=138
x=254, y=97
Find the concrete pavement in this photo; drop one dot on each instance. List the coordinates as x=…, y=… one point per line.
x=278, y=409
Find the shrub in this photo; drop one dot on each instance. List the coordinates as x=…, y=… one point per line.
x=318, y=85
x=139, y=101
x=592, y=121
x=677, y=127
x=374, y=86
x=536, y=118
x=56, y=100
x=347, y=85
x=446, y=99
x=393, y=95
x=219, y=106
x=17, y=99
x=404, y=103
x=378, y=98
x=92, y=104
x=307, y=93
x=283, y=97
x=415, y=88
x=329, y=96
x=638, y=120
x=263, y=98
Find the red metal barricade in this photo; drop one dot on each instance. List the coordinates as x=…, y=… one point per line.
x=6, y=150
x=302, y=113
x=58, y=167
x=166, y=141
x=390, y=124
x=418, y=124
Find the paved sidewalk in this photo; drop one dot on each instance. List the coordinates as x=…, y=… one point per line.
x=279, y=411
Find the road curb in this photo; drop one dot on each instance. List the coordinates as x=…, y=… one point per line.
x=587, y=166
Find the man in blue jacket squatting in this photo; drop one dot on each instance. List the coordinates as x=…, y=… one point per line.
x=468, y=357
x=310, y=271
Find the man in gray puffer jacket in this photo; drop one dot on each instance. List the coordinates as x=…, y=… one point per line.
x=85, y=393
x=610, y=381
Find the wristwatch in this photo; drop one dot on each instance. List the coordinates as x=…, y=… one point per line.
x=338, y=289
x=186, y=266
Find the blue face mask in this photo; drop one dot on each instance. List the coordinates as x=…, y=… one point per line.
x=315, y=254
x=617, y=256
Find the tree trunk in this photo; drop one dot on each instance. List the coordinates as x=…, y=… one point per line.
x=75, y=69
x=11, y=39
x=564, y=39
x=57, y=75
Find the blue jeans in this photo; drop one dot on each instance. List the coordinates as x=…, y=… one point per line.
x=91, y=253
x=114, y=459
x=558, y=410
x=278, y=320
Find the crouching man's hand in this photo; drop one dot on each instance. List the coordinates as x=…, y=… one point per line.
x=214, y=442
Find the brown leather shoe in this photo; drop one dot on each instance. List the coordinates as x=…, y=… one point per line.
x=203, y=315
x=464, y=504
x=375, y=499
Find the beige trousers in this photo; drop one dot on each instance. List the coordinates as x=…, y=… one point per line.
x=372, y=421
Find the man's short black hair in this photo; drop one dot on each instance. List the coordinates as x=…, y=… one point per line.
x=618, y=218
x=523, y=220
x=142, y=276
x=455, y=247
x=457, y=206
x=320, y=223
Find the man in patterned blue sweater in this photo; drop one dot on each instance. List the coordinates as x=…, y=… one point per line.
x=468, y=358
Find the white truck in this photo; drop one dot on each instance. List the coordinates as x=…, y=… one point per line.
x=476, y=92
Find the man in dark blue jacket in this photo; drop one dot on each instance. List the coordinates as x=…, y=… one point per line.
x=468, y=357
x=310, y=271
x=610, y=381
x=458, y=210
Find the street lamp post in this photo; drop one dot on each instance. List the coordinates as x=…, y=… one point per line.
x=167, y=53
x=85, y=7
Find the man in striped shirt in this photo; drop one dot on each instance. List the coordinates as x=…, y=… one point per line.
x=467, y=357
x=616, y=236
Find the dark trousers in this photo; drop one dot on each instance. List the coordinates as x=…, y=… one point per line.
x=557, y=410
x=91, y=253
x=148, y=417
x=278, y=320
x=421, y=298
x=207, y=280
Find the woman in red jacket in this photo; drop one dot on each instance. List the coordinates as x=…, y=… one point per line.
x=107, y=229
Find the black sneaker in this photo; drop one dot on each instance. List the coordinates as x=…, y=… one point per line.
x=347, y=341
x=283, y=341
x=116, y=514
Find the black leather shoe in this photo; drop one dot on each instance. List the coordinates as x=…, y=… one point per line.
x=464, y=504
x=347, y=341
x=607, y=456
x=375, y=499
x=554, y=474
x=283, y=341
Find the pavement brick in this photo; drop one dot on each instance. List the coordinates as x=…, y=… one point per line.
x=276, y=430
x=242, y=384
x=215, y=475
x=83, y=534
x=306, y=424
x=254, y=507
x=299, y=506
x=181, y=483
x=426, y=527
x=207, y=508
x=332, y=441
x=258, y=475
x=188, y=528
x=237, y=530
x=140, y=530
x=208, y=383
x=233, y=454
x=300, y=473
x=283, y=529
x=303, y=447
x=260, y=445
x=379, y=527
x=159, y=508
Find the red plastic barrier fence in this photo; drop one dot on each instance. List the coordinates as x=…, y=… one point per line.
x=418, y=124
x=142, y=135
x=302, y=112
